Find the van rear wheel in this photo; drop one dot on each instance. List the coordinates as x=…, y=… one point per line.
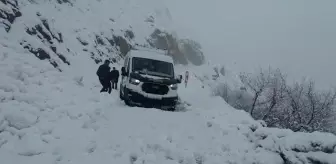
x=120, y=95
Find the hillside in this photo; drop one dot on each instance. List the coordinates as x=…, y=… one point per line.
x=51, y=110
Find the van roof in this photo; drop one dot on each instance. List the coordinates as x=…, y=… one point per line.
x=150, y=55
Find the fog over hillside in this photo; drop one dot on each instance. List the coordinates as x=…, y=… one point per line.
x=297, y=36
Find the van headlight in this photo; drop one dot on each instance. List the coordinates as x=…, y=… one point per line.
x=134, y=81
x=173, y=86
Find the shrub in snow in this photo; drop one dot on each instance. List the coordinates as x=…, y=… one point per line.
x=230, y=88
x=237, y=98
x=299, y=107
x=268, y=97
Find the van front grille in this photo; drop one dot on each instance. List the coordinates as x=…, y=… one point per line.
x=155, y=88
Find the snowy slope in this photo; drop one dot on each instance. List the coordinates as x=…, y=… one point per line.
x=48, y=116
x=63, y=32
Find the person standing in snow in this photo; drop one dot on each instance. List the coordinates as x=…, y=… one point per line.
x=186, y=78
x=103, y=75
x=114, y=77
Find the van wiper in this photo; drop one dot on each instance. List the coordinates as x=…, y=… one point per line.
x=155, y=73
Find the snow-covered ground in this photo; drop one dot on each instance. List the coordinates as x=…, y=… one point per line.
x=51, y=117
x=48, y=116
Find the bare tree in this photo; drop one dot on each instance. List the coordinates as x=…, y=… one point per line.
x=275, y=94
x=317, y=109
x=300, y=107
x=257, y=84
x=268, y=88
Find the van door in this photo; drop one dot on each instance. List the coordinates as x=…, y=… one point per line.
x=125, y=79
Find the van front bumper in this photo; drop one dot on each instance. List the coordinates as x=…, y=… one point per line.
x=143, y=101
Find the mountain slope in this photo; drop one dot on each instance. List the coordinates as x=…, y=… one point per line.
x=99, y=29
x=56, y=114
x=87, y=30
x=48, y=116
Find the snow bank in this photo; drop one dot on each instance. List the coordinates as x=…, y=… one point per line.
x=243, y=134
x=298, y=147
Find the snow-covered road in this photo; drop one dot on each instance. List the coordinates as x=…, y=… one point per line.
x=55, y=117
x=51, y=117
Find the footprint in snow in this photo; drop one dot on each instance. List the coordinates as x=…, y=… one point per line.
x=91, y=147
x=133, y=158
x=225, y=132
x=209, y=124
x=169, y=139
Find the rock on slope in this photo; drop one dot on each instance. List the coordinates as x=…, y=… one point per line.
x=9, y=11
x=60, y=31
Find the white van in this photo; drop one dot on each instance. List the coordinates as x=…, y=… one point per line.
x=148, y=79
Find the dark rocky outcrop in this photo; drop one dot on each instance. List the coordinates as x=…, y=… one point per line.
x=123, y=46
x=183, y=51
x=113, y=48
x=99, y=40
x=82, y=41
x=7, y=17
x=101, y=46
x=192, y=51
x=40, y=53
x=164, y=41
x=44, y=33
x=129, y=34
x=64, y=2
x=47, y=37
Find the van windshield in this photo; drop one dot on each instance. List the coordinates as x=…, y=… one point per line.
x=152, y=67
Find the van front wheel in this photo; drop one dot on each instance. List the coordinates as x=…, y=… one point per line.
x=120, y=95
x=126, y=98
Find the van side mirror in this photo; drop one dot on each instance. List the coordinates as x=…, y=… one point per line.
x=123, y=71
x=179, y=79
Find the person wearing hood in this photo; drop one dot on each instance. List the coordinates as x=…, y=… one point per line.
x=103, y=76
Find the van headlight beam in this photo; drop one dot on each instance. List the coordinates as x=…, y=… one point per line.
x=173, y=86
x=134, y=81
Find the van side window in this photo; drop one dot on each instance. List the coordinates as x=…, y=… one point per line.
x=128, y=66
x=125, y=62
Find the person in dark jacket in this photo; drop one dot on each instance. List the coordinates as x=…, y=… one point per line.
x=103, y=75
x=114, y=76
